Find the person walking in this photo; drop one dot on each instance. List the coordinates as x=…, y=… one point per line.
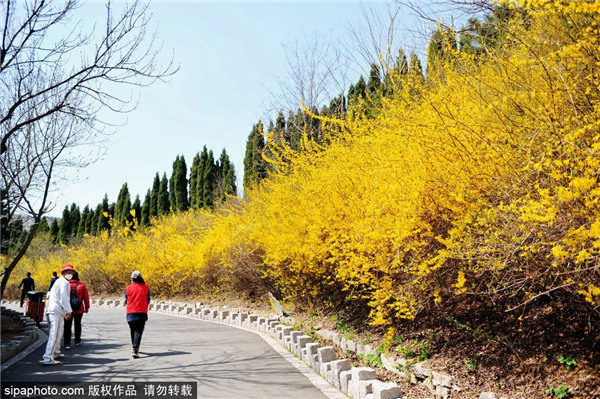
x=28, y=284
x=137, y=298
x=52, y=280
x=83, y=295
x=59, y=309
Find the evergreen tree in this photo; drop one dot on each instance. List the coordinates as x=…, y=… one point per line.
x=193, y=184
x=154, y=199
x=136, y=207
x=65, y=227
x=89, y=222
x=44, y=226
x=164, y=203
x=83, y=221
x=178, y=185
x=123, y=206
x=226, y=184
x=374, y=81
x=145, y=216
x=442, y=42
x=254, y=165
x=75, y=218
x=358, y=91
x=54, y=230
x=102, y=222
x=208, y=188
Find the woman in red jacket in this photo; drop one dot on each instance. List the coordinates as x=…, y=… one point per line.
x=82, y=293
x=137, y=298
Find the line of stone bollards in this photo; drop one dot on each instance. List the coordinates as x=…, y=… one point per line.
x=356, y=382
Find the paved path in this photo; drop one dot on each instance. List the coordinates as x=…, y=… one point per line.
x=226, y=362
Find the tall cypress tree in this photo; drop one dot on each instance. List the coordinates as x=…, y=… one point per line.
x=193, y=183
x=75, y=218
x=65, y=227
x=102, y=222
x=208, y=188
x=178, y=185
x=154, y=199
x=145, y=216
x=136, y=207
x=54, y=230
x=123, y=206
x=225, y=181
x=164, y=204
x=83, y=221
x=254, y=165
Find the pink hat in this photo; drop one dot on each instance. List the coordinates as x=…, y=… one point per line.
x=67, y=267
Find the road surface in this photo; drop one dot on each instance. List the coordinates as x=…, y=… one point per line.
x=226, y=362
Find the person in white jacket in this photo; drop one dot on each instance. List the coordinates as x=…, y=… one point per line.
x=58, y=309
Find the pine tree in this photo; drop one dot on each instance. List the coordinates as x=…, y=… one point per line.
x=102, y=222
x=44, y=226
x=145, y=216
x=193, y=184
x=154, y=198
x=54, y=230
x=178, y=185
x=82, y=221
x=136, y=208
x=75, y=218
x=123, y=206
x=225, y=183
x=254, y=165
x=164, y=203
x=208, y=177
x=65, y=227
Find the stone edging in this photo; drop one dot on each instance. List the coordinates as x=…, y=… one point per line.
x=19, y=342
x=356, y=382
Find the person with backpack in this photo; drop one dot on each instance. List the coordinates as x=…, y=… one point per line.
x=137, y=299
x=80, y=303
x=57, y=310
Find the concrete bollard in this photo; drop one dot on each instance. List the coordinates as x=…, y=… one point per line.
x=242, y=319
x=337, y=366
x=345, y=381
x=223, y=314
x=326, y=354
x=359, y=374
x=386, y=390
x=301, y=343
x=290, y=343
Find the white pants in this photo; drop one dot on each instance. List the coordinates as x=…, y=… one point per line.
x=56, y=329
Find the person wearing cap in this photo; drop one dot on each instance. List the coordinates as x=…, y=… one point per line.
x=80, y=289
x=58, y=309
x=137, y=298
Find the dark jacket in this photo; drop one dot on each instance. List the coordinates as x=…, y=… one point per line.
x=82, y=293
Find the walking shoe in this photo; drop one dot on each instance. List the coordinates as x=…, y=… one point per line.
x=135, y=354
x=77, y=343
x=67, y=347
x=59, y=356
x=50, y=362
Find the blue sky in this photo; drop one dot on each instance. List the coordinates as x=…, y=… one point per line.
x=231, y=57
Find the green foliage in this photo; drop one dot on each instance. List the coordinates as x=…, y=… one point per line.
x=470, y=365
x=560, y=392
x=567, y=361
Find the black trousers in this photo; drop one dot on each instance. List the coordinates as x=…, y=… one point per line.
x=68, y=323
x=136, y=328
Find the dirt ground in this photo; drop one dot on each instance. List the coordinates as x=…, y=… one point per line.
x=10, y=328
x=546, y=352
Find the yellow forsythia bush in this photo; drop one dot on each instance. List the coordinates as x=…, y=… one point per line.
x=483, y=179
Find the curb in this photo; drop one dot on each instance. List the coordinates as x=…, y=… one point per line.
x=23, y=344
x=341, y=377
